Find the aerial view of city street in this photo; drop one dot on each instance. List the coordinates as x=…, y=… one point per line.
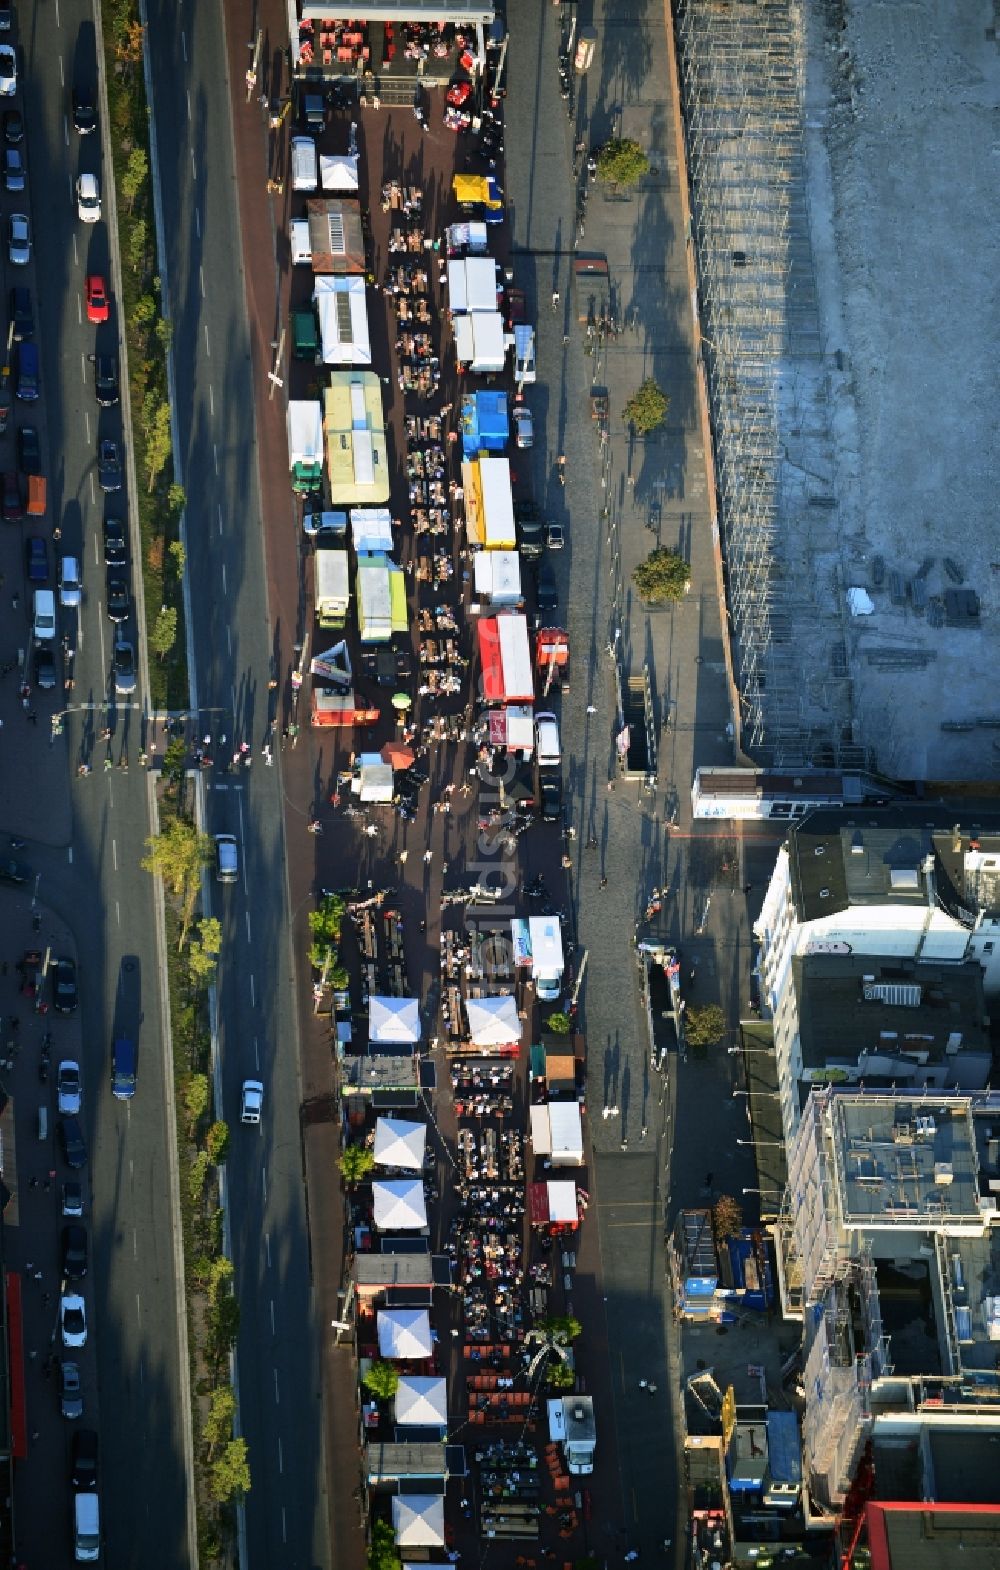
x=499, y=840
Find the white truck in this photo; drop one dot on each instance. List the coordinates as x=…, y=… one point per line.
x=333, y=586
x=547, y=962
x=573, y=1428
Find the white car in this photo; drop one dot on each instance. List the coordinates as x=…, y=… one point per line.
x=555, y=536
x=8, y=71
x=73, y=1319
x=70, y=592
x=252, y=1101
x=524, y=426
x=69, y=1087
x=88, y=199
x=19, y=240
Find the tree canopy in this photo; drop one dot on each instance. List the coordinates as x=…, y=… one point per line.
x=178, y=855
x=621, y=162
x=647, y=408
x=664, y=577
x=382, y=1380
x=704, y=1026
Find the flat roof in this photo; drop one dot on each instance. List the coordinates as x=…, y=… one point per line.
x=424, y=1459
x=458, y=11
x=393, y=1270
x=905, y=1159
x=923, y=1536
x=379, y=1071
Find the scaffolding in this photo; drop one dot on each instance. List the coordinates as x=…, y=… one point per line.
x=742, y=75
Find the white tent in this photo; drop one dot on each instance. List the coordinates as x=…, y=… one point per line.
x=399, y=1206
x=497, y=576
x=305, y=431
x=479, y=340
x=404, y=1332
x=400, y=1144
x=493, y=1022
x=343, y=319
x=418, y=1520
x=338, y=172
x=562, y=1202
x=421, y=1402
x=394, y=1020
x=371, y=528
x=472, y=284
x=566, y=1133
x=374, y=783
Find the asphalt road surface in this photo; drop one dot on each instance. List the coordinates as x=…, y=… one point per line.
x=278, y=1349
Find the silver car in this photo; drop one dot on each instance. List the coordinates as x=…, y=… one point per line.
x=124, y=668
x=19, y=240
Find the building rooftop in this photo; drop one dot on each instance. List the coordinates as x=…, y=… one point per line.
x=902, y=1159
x=933, y=1537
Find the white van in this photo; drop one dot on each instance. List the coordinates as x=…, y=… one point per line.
x=305, y=164
x=45, y=615
x=227, y=865
x=86, y=1528
x=547, y=747
x=301, y=244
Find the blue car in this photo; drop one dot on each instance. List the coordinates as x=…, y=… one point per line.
x=36, y=559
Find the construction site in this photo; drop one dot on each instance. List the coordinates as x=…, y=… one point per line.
x=842, y=160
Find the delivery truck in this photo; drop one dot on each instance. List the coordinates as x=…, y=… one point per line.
x=547, y=962
x=573, y=1428
x=333, y=586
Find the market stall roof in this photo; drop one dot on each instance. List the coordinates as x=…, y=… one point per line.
x=375, y=784
x=404, y=1332
x=485, y=423
x=338, y=171
x=497, y=576
x=343, y=320
x=560, y=1070
x=472, y=237
x=479, y=340
x=538, y=1126
x=399, y=1205
x=477, y=190
x=472, y=284
x=400, y=1144
x=418, y=1520
x=566, y=1127
x=336, y=238
x=394, y=1020
x=553, y=1203
x=489, y=503
x=371, y=529
x=354, y=427
x=506, y=659
x=421, y=1402
x=305, y=430
x=493, y=1021
x=513, y=727
x=461, y=12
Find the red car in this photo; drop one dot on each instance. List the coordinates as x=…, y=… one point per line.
x=97, y=300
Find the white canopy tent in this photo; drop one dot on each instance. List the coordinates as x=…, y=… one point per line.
x=497, y=576
x=422, y=1402
x=343, y=319
x=404, y=1332
x=472, y=284
x=562, y=1202
x=374, y=783
x=493, y=1022
x=418, y=1520
x=557, y=1132
x=479, y=340
x=371, y=529
x=338, y=172
x=394, y=1020
x=400, y=1144
x=399, y=1206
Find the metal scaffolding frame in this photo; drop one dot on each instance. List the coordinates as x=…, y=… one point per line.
x=742, y=78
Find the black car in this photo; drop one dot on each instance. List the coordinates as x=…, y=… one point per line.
x=74, y=1252
x=21, y=315
x=46, y=675
x=36, y=559
x=64, y=988
x=546, y=593
x=106, y=379
x=551, y=795
x=13, y=503
x=74, y=1147
x=118, y=597
x=13, y=127
x=29, y=451
x=115, y=545
x=84, y=111
x=83, y=1474
x=529, y=530
x=14, y=872
x=109, y=466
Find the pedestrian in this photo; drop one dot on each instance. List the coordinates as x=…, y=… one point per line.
x=38, y=1275
x=642, y=1384
x=108, y=765
x=376, y=101
x=402, y=857
x=555, y=299
x=567, y=863
x=604, y=883
x=591, y=708
x=428, y=857
x=747, y=887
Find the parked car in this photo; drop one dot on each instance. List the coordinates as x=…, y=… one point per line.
x=73, y=1145
x=96, y=294
x=36, y=559
x=74, y=1252
x=124, y=1068
x=70, y=1391
x=106, y=379
x=8, y=71
x=551, y=795
x=118, y=597
x=546, y=592
x=109, y=466
x=29, y=451
x=555, y=536
x=124, y=662
x=251, y=1101
x=69, y=1087
x=88, y=199
x=13, y=169
x=115, y=546
x=13, y=127
x=84, y=112
x=73, y=1319
x=46, y=675
x=524, y=426
x=12, y=506
x=70, y=585
x=65, y=994
x=21, y=315
x=14, y=872
x=72, y=1198
x=83, y=1467
x=19, y=240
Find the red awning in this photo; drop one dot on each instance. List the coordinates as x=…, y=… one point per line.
x=490, y=659
x=538, y=1204
x=15, y=1361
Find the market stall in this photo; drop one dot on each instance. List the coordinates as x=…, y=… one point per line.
x=480, y=341
x=505, y=656
x=484, y=422
x=496, y=577
x=394, y=1021
x=473, y=284
x=304, y=425
x=493, y=1021
x=421, y=1402
x=371, y=530
x=338, y=172
x=372, y=779
x=381, y=598
x=513, y=728
x=553, y=1204
x=489, y=503
x=404, y=1333
x=400, y=1144
x=399, y=1205
x=557, y=1133
x=336, y=238
x=354, y=429
x=342, y=310
x=418, y=1520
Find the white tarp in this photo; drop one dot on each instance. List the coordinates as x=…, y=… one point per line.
x=305, y=431
x=497, y=576
x=479, y=340
x=375, y=784
x=472, y=284
x=371, y=530
x=394, y=1020
x=418, y=1520
x=399, y=1205
x=562, y=1202
x=404, y=1332
x=400, y=1144
x=422, y=1402
x=515, y=657
x=541, y=1137
x=566, y=1129
x=343, y=319
x=493, y=1022
x=338, y=172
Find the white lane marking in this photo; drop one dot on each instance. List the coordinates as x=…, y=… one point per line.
x=208, y=346
x=220, y=517
x=62, y=74
x=86, y=416
x=277, y=1397
x=58, y=18
x=197, y=223
x=83, y=367
x=138, y=1309
x=263, y=1185
x=79, y=312
x=281, y=1457
x=215, y=455
x=256, y=1053
x=253, y=994
x=135, y=1244
x=76, y=253
x=65, y=121
x=211, y=401
x=184, y=47
x=243, y=854
x=69, y=854
x=118, y=914
x=224, y=589
x=229, y=639
x=189, y=102
x=194, y=166
x=114, y=854
x=267, y=1248
x=97, y=554
x=249, y=939
x=100, y=626
x=284, y=1526
x=201, y=280
x=93, y=493
x=272, y=1327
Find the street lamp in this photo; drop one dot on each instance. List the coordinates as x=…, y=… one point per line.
x=779, y=1144
x=748, y=1051
x=759, y=1191
x=774, y=1094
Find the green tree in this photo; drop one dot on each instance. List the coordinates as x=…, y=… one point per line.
x=198, y=1176
x=164, y=633
x=355, y=1164
x=230, y=1475
x=218, y=1425
x=144, y=310
x=704, y=1026
x=203, y=952
x=382, y=1553
x=325, y=921
x=223, y=1325
x=382, y=1380
x=559, y=1375
x=164, y=330
x=727, y=1218
x=195, y=1094
x=321, y=955
x=561, y=1328
x=558, y=1023
x=664, y=577
x=158, y=444
x=176, y=499
x=134, y=175
x=647, y=408
x=178, y=855
x=178, y=556
x=217, y=1143
x=337, y=976
x=621, y=162
x=138, y=241
x=219, y=1278
x=175, y=758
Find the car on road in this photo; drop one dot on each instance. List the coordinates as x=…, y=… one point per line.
x=96, y=295
x=106, y=379
x=22, y=318
x=73, y=1249
x=14, y=872
x=73, y=1145
x=124, y=661
x=70, y=586
x=227, y=861
x=83, y=1461
x=36, y=559
x=8, y=71
x=88, y=199
x=529, y=530
x=12, y=505
x=524, y=426
x=18, y=240
x=13, y=169
x=124, y=1068
x=29, y=450
x=72, y=1198
x=73, y=1319
x=115, y=545
x=109, y=466
x=13, y=127
x=84, y=112
x=65, y=993
x=46, y=676
x=69, y=1087
x=550, y=791
x=70, y=1391
x=251, y=1101
x=546, y=592
x=118, y=597
x=555, y=536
